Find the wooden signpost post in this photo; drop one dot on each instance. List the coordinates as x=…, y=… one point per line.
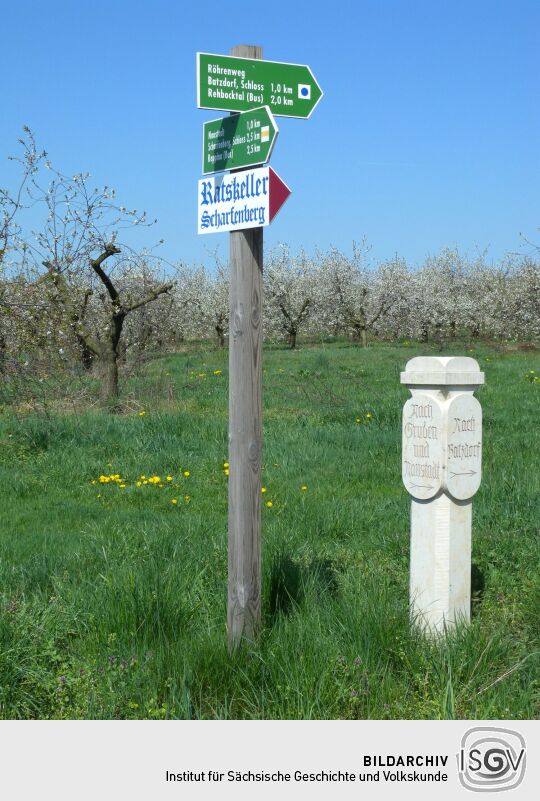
x=243, y=203
x=245, y=425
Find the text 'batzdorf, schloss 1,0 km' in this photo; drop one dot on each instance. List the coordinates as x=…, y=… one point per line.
x=231, y=83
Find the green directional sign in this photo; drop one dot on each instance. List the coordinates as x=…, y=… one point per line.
x=230, y=83
x=241, y=140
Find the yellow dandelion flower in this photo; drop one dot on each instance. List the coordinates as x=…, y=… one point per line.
x=187, y=473
x=142, y=478
x=142, y=413
x=169, y=478
x=187, y=498
x=174, y=501
x=217, y=372
x=122, y=486
x=263, y=489
x=368, y=415
x=94, y=481
x=269, y=504
x=226, y=471
x=304, y=487
x=358, y=420
x=225, y=464
x=138, y=483
x=145, y=481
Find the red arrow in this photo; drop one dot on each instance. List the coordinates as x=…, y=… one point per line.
x=279, y=192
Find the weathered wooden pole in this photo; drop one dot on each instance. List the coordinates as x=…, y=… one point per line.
x=442, y=458
x=245, y=425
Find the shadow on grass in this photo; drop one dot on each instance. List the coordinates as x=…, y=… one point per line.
x=478, y=583
x=290, y=581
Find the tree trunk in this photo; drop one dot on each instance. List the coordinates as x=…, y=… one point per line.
x=121, y=352
x=359, y=334
x=109, y=380
x=424, y=335
x=87, y=356
x=2, y=352
x=109, y=359
x=291, y=338
x=439, y=336
x=363, y=336
x=220, y=331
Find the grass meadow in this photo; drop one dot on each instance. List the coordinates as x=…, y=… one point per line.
x=113, y=548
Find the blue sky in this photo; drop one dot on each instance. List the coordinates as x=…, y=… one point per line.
x=427, y=136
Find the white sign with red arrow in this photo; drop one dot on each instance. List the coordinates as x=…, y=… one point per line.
x=246, y=199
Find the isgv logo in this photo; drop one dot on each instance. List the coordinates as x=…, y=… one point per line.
x=491, y=759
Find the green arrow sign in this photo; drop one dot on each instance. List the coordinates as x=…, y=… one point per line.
x=239, y=84
x=241, y=140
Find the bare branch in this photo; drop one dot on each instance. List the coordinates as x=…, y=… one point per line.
x=152, y=295
x=110, y=250
x=66, y=297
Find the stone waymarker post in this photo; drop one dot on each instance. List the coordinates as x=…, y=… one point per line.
x=441, y=470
